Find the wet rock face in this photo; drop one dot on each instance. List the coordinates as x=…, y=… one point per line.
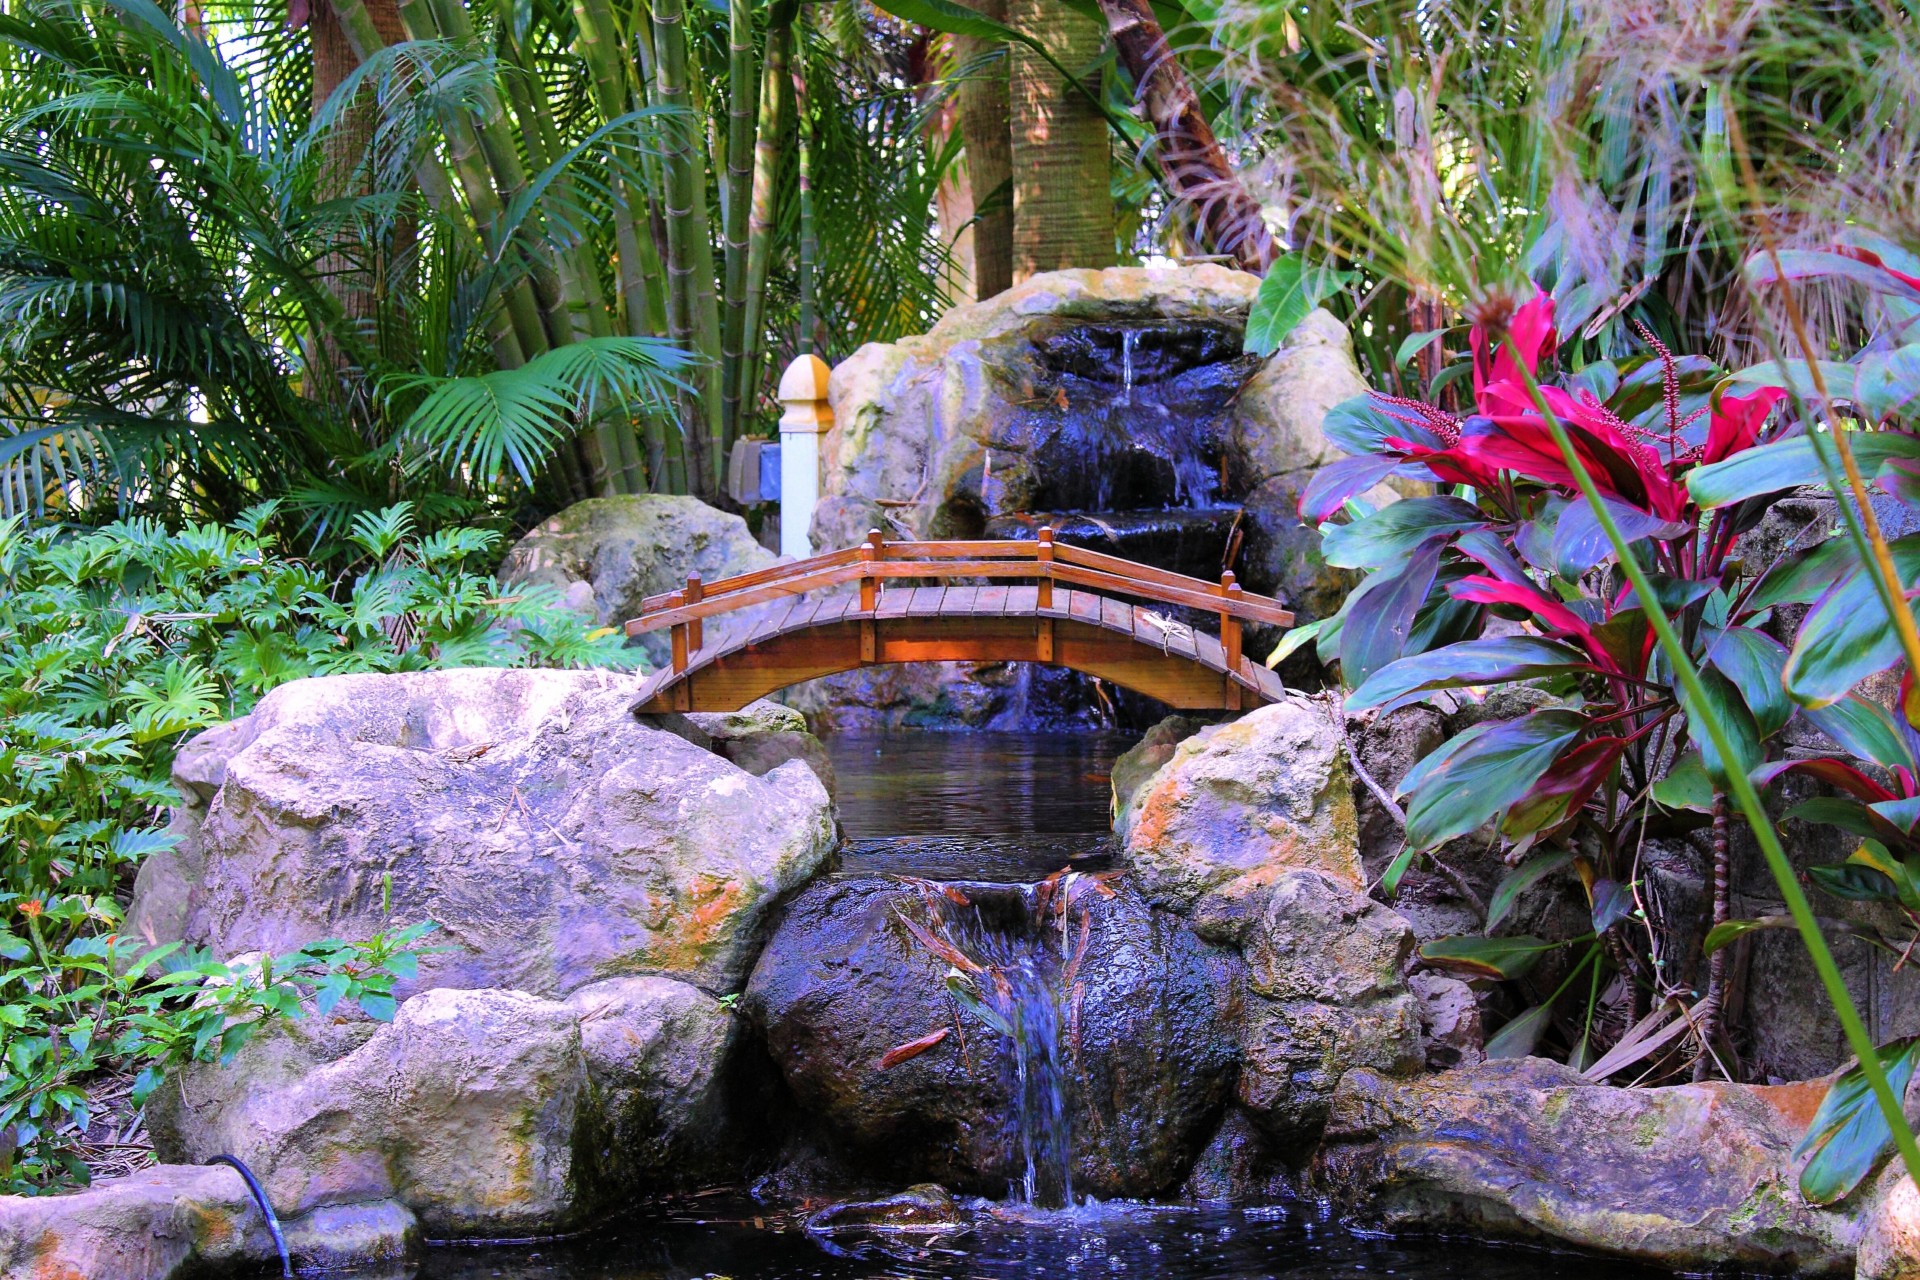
x=1145, y=1034
x=484, y=1113
x=1689, y=1176
x=555, y=838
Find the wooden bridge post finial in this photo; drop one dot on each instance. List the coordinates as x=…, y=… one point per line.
x=1046, y=571
x=677, y=637
x=696, y=630
x=1230, y=637
x=805, y=417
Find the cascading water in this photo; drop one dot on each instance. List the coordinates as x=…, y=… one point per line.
x=1014, y=953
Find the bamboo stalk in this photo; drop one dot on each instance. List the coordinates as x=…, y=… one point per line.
x=365, y=38
x=809, y=248
x=683, y=224
x=776, y=92
x=743, y=84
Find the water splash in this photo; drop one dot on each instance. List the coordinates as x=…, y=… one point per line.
x=1128, y=341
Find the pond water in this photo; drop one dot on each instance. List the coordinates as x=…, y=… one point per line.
x=1113, y=1240
x=1008, y=807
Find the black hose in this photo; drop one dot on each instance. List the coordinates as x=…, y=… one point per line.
x=260, y=1198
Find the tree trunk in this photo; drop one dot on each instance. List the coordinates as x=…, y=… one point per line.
x=986, y=111
x=357, y=283
x=1717, y=912
x=1062, y=201
x=1193, y=166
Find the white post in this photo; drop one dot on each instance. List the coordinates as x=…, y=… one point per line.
x=807, y=416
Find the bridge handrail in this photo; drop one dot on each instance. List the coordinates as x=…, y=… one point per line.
x=877, y=560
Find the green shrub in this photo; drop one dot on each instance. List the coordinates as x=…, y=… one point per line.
x=115, y=645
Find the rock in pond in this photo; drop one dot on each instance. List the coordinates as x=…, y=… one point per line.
x=905, y=1075
x=555, y=838
x=1246, y=800
x=1686, y=1176
x=175, y=1221
x=484, y=1113
x=760, y=737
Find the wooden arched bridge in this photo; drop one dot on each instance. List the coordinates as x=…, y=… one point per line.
x=1042, y=601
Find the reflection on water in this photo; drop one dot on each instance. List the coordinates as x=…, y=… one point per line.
x=974, y=784
x=1114, y=1240
x=974, y=806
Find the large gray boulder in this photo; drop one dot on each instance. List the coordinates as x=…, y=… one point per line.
x=484, y=1113
x=1690, y=1177
x=1236, y=805
x=1144, y=1015
x=555, y=838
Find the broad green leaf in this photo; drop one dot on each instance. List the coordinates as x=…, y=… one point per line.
x=1297, y=638
x=1866, y=729
x=1815, y=264
x=1754, y=662
x=1289, y=293
x=1478, y=777
x=1579, y=543
x=1845, y=639
x=1849, y=1136
x=1521, y=1035
x=1729, y=710
x=1612, y=903
x=1471, y=662
x=1380, y=614
x=1887, y=383
x=1686, y=786
x=1389, y=535
x=1788, y=464
x=1519, y=880
x=1854, y=882
x=1805, y=576
x=1728, y=931
x=1479, y=957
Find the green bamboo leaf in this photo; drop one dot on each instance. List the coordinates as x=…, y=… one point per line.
x=1478, y=957
x=1288, y=294
x=1849, y=1135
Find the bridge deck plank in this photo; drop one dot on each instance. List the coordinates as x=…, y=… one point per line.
x=893, y=603
x=926, y=602
x=1116, y=615
x=1083, y=606
x=1023, y=599
x=992, y=600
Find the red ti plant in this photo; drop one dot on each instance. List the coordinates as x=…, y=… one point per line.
x=1503, y=575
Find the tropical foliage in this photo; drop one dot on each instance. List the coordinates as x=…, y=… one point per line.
x=118, y=644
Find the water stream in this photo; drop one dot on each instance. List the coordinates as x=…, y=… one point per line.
x=990, y=816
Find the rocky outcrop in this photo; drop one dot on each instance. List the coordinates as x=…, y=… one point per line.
x=484, y=1113
x=1146, y=1013
x=171, y=1221
x=915, y=420
x=760, y=737
x=1688, y=1176
x=554, y=838
x=1890, y=1244
x=1238, y=804
x=605, y=555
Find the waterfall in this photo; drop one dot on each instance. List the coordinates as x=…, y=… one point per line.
x=1013, y=961
x=1129, y=339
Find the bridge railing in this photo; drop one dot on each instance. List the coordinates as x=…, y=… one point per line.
x=876, y=561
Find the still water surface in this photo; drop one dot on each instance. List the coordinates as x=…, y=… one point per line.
x=1012, y=807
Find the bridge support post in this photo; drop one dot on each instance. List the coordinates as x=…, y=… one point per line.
x=677, y=635
x=1230, y=639
x=870, y=553
x=806, y=417
x=696, y=630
